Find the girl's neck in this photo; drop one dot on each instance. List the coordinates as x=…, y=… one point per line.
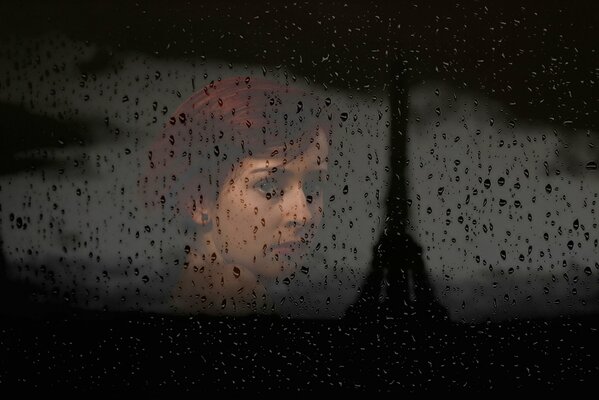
x=208, y=285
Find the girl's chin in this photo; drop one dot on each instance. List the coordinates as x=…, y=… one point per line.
x=276, y=265
x=274, y=269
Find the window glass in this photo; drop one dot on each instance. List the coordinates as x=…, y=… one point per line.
x=262, y=196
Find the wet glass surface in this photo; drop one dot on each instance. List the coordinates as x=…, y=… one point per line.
x=325, y=196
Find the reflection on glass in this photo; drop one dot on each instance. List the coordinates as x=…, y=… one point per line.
x=242, y=169
x=98, y=192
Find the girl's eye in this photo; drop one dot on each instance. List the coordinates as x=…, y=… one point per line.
x=266, y=186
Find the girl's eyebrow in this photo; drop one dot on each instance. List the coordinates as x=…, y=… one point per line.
x=273, y=169
x=279, y=168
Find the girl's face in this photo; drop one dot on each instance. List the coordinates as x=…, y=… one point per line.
x=270, y=208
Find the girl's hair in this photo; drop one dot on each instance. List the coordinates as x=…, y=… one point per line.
x=220, y=125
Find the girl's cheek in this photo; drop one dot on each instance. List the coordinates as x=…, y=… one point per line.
x=259, y=200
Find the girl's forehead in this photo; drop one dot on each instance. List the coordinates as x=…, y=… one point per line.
x=307, y=149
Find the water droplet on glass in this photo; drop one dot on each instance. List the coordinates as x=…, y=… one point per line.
x=588, y=271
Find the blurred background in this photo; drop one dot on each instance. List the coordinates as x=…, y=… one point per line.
x=471, y=130
x=464, y=180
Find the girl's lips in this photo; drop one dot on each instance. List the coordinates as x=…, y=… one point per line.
x=288, y=248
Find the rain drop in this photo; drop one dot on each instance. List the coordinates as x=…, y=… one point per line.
x=588, y=271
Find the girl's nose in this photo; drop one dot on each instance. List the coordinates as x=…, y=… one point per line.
x=296, y=208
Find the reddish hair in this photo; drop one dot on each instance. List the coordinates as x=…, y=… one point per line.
x=221, y=124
